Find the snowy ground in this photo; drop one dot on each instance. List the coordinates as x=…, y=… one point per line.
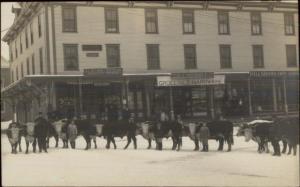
x=62, y=167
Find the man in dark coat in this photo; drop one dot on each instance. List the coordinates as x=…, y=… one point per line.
x=41, y=129
x=204, y=136
x=274, y=136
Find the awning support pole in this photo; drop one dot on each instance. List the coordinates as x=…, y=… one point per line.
x=249, y=97
x=286, y=108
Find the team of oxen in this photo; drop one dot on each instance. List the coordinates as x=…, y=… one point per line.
x=262, y=131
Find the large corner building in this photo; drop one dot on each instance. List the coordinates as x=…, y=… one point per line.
x=197, y=59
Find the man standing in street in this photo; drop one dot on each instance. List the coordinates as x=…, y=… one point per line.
x=41, y=130
x=204, y=136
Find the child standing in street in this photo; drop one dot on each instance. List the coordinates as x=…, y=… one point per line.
x=72, y=132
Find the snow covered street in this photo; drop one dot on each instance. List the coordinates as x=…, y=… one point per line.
x=241, y=167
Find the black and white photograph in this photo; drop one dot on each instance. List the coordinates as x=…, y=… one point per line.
x=150, y=93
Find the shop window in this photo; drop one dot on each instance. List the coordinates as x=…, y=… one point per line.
x=41, y=61
x=111, y=20
x=27, y=66
x=113, y=55
x=256, y=27
x=258, y=56
x=69, y=19
x=190, y=58
x=151, y=21
x=292, y=94
x=32, y=64
x=71, y=57
x=289, y=24
x=291, y=55
x=188, y=21
x=223, y=22
x=153, y=56
x=225, y=56
x=262, y=95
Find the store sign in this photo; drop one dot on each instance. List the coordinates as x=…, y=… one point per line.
x=202, y=75
x=104, y=72
x=175, y=81
x=91, y=47
x=92, y=54
x=273, y=73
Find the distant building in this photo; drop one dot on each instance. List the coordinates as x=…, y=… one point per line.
x=6, y=110
x=197, y=59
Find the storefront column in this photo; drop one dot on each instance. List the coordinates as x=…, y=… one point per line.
x=249, y=97
x=274, y=95
x=211, y=103
x=286, y=109
x=147, y=94
x=53, y=95
x=172, y=117
x=126, y=90
x=80, y=96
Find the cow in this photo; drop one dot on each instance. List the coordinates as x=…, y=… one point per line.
x=220, y=130
x=259, y=131
x=30, y=136
x=60, y=128
x=14, y=133
x=287, y=130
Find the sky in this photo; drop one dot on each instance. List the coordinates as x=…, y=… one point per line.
x=7, y=19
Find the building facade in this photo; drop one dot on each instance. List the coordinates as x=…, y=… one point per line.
x=194, y=59
x=6, y=110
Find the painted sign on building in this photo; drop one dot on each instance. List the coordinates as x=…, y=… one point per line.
x=103, y=72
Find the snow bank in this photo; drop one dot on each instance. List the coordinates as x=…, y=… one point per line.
x=4, y=125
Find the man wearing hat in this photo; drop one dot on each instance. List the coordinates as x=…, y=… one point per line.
x=41, y=130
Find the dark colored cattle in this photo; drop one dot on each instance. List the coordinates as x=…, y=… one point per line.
x=41, y=131
x=287, y=130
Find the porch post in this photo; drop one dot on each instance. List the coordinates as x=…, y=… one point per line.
x=249, y=97
x=147, y=90
x=274, y=95
x=126, y=82
x=172, y=116
x=80, y=95
x=286, y=108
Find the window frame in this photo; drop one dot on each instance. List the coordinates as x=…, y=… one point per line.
x=64, y=20
x=21, y=47
x=193, y=20
x=150, y=65
x=253, y=22
x=33, y=64
x=27, y=66
x=220, y=13
x=254, y=48
x=106, y=19
x=65, y=45
x=188, y=66
x=156, y=20
x=230, y=56
x=107, y=46
x=288, y=58
x=39, y=26
x=26, y=37
x=286, y=16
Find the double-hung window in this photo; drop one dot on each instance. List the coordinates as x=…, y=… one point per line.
x=69, y=19
x=190, y=57
x=113, y=55
x=153, y=56
x=71, y=57
x=223, y=22
x=151, y=21
x=291, y=55
x=256, y=28
x=111, y=20
x=289, y=25
x=258, y=56
x=225, y=56
x=188, y=21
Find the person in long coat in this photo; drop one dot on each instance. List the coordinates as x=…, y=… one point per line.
x=72, y=134
x=41, y=130
x=204, y=136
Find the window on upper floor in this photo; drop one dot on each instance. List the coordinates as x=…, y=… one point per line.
x=258, y=56
x=289, y=25
x=111, y=20
x=113, y=55
x=21, y=47
x=16, y=49
x=153, y=61
x=69, y=19
x=190, y=57
x=11, y=53
x=12, y=76
x=32, y=64
x=27, y=66
x=41, y=60
x=39, y=26
x=26, y=37
x=256, y=27
x=31, y=34
x=71, y=57
x=225, y=56
x=188, y=21
x=22, y=70
x=223, y=22
x=291, y=55
x=151, y=21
